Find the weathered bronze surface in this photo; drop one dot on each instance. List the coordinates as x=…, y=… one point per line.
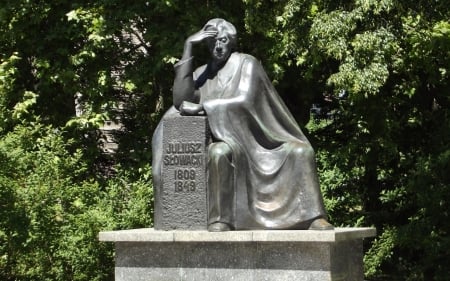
x=261, y=168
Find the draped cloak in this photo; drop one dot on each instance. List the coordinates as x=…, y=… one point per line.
x=275, y=178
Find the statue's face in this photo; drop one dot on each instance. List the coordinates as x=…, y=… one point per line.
x=220, y=47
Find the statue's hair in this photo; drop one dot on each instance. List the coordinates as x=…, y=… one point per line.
x=223, y=26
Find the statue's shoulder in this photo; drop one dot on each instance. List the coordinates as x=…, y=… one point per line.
x=250, y=62
x=246, y=58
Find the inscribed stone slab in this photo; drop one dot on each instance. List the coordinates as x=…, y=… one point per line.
x=183, y=198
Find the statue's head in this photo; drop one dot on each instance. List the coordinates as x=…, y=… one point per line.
x=224, y=42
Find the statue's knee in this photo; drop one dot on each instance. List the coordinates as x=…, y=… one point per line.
x=303, y=150
x=219, y=150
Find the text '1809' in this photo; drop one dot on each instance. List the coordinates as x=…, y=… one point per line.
x=184, y=180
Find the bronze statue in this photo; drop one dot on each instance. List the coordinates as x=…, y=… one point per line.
x=261, y=168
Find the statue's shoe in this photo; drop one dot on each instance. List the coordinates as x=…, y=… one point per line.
x=320, y=224
x=218, y=226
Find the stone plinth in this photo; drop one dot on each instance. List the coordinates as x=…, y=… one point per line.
x=182, y=201
x=148, y=254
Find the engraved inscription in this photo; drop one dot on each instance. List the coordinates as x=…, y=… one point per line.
x=184, y=148
x=183, y=154
x=184, y=180
x=185, y=158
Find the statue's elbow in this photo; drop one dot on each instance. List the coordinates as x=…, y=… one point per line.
x=178, y=96
x=177, y=102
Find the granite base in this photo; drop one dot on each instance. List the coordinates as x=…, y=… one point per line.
x=148, y=254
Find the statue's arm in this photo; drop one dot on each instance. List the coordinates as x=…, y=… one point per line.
x=183, y=86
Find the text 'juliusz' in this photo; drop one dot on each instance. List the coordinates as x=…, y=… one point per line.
x=184, y=148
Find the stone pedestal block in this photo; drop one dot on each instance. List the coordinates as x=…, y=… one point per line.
x=182, y=201
x=147, y=254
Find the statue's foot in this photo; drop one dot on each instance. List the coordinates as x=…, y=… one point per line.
x=320, y=224
x=218, y=226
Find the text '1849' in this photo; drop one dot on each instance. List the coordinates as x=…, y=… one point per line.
x=184, y=180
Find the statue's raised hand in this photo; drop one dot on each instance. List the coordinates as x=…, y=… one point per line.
x=201, y=35
x=195, y=38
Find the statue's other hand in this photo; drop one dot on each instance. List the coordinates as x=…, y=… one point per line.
x=191, y=109
x=202, y=35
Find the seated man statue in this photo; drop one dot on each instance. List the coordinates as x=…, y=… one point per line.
x=261, y=168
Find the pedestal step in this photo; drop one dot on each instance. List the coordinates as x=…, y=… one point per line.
x=147, y=254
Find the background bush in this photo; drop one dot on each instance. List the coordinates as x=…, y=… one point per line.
x=52, y=210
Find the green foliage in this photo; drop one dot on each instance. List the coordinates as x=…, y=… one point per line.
x=8, y=75
x=378, y=70
x=382, y=248
x=381, y=149
x=51, y=214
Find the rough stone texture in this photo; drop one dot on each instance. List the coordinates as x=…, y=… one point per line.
x=182, y=202
x=147, y=254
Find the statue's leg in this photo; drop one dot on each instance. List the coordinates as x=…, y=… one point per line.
x=305, y=158
x=220, y=187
